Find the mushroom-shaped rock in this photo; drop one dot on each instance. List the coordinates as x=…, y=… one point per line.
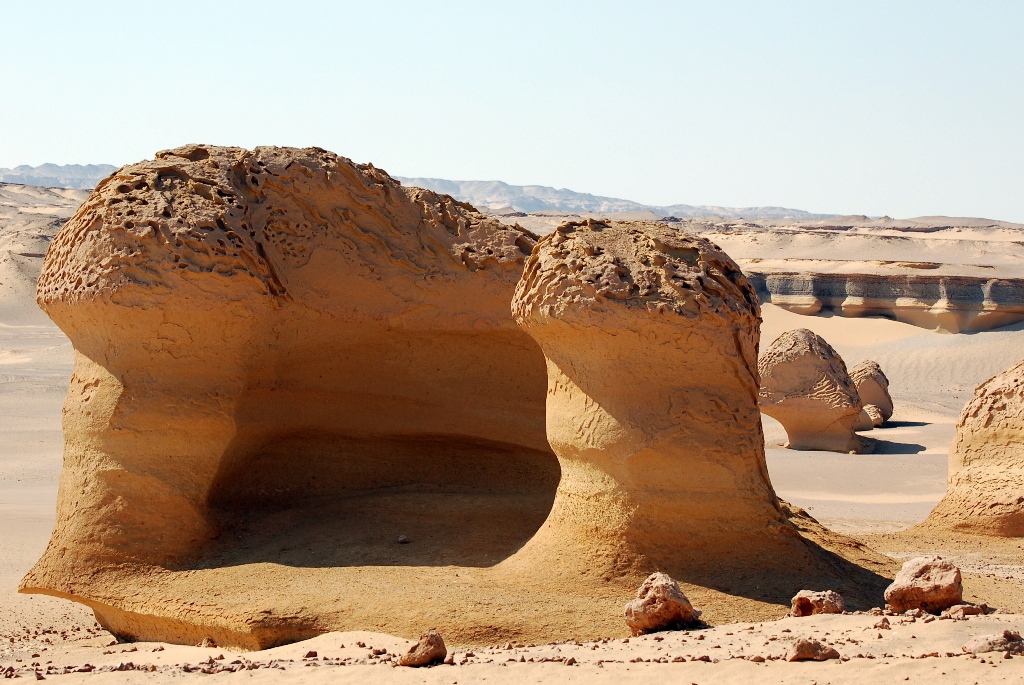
x=809, y=602
x=927, y=583
x=429, y=650
x=985, y=487
x=805, y=387
x=285, y=346
x=873, y=387
x=1008, y=641
x=659, y=605
x=807, y=649
x=650, y=337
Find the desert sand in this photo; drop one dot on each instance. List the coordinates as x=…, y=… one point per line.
x=877, y=498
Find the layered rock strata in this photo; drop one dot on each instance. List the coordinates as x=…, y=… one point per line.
x=949, y=303
x=873, y=388
x=985, y=487
x=805, y=386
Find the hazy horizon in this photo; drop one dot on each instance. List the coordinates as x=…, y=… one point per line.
x=901, y=110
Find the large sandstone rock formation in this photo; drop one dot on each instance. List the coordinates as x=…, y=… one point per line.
x=985, y=489
x=651, y=345
x=873, y=388
x=288, y=364
x=651, y=340
x=283, y=347
x=805, y=386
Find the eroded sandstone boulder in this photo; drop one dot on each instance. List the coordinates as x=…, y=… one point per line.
x=809, y=649
x=659, y=605
x=873, y=387
x=805, y=386
x=927, y=583
x=809, y=602
x=1009, y=641
x=430, y=649
x=985, y=487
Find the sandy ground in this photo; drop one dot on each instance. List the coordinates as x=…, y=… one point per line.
x=910, y=649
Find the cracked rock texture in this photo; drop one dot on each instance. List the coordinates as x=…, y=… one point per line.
x=805, y=386
x=985, y=488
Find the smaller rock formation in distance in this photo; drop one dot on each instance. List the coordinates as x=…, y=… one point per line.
x=873, y=388
x=985, y=487
x=927, y=583
x=808, y=603
x=806, y=387
x=659, y=605
x=429, y=650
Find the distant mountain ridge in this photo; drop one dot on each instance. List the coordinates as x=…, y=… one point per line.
x=490, y=195
x=530, y=199
x=84, y=176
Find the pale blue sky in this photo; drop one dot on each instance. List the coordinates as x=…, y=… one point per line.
x=899, y=108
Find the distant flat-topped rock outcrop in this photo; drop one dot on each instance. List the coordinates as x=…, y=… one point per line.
x=805, y=386
x=945, y=273
x=985, y=490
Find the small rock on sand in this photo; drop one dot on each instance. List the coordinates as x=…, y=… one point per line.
x=429, y=650
x=927, y=583
x=1010, y=641
x=965, y=610
x=806, y=649
x=808, y=603
x=659, y=605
